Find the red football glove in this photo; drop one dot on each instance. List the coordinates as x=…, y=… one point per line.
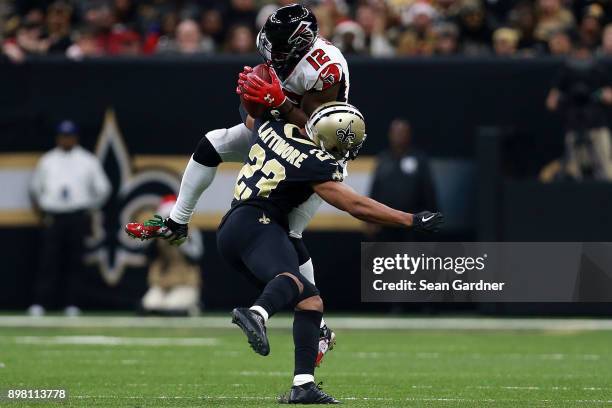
x=242, y=77
x=255, y=89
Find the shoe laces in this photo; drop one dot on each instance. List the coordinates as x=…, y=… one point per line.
x=157, y=221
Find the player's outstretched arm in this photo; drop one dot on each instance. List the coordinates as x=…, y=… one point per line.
x=364, y=208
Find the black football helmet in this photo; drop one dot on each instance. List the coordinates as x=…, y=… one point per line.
x=286, y=36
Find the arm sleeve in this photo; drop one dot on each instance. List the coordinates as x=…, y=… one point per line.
x=36, y=184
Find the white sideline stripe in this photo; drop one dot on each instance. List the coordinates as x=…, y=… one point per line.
x=283, y=322
x=348, y=398
x=114, y=341
x=479, y=387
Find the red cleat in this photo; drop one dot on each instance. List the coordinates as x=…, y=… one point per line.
x=153, y=228
x=327, y=341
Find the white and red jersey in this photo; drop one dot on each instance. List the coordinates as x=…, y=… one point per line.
x=320, y=68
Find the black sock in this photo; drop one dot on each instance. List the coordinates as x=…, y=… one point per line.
x=278, y=293
x=306, y=340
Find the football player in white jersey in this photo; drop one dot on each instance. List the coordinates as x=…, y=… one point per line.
x=312, y=72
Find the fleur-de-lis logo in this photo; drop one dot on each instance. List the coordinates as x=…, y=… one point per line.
x=338, y=175
x=264, y=220
x=346, y=136
x=109, y=248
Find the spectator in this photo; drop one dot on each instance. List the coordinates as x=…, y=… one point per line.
x=59, y=14
x=327, y=18
x=408, y=45
x=349, y=37
x=67, y=183
x=522, y=18
x=188, y=40
x=419, y=20
x=124, y=12
x=475, y=30
x=85, y=45
x=606, y=42
x=551, y=17
x=373, y=21
x=446, y=39
x=560, y=43
x=268, y=9
x=505, y=42
x=123, y=41
x=211, y=23
x=241, y=12
x=169, y=23
x=240, y=40
x=30, y=39
x=590, y=26
x=581, y=91
x=174, y=272
x=99, y=17
x=447, y=10
x=402, y=180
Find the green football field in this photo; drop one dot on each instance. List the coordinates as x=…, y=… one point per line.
x=128, y=362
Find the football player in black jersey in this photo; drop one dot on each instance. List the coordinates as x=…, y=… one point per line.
x=284, y=169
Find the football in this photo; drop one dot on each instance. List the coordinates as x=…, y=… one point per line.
x=254, y=109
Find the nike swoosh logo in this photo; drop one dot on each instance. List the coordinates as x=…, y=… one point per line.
x=428, y=218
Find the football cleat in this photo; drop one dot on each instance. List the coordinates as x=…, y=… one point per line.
x=157, y=227
x=153, y=228
x=327, y=341
x=308, y=393
x=253, y=325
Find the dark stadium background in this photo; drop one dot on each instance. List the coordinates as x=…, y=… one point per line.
x=486, y=113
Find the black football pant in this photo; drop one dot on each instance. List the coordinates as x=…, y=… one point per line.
x=252, y=243
x=255, y=245
x=61, y=260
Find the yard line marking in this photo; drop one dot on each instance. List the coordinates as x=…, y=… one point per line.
x=115, y=341
x=268, y=373
x=285, y=322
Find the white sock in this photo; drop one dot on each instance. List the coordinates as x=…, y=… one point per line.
x=301, y=379
x=307, y=271
x=196, y=179
x=261, y=311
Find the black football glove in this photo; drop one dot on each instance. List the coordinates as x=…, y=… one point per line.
x=176, y=233
x=426, y=221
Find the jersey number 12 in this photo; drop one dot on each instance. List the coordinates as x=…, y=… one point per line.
x=317, y=58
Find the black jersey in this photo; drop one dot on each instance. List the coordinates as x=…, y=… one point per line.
x=280, y=169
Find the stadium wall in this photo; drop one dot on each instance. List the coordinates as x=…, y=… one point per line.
x=143, y=117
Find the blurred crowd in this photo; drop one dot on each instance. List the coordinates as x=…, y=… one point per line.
x=380, y=28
